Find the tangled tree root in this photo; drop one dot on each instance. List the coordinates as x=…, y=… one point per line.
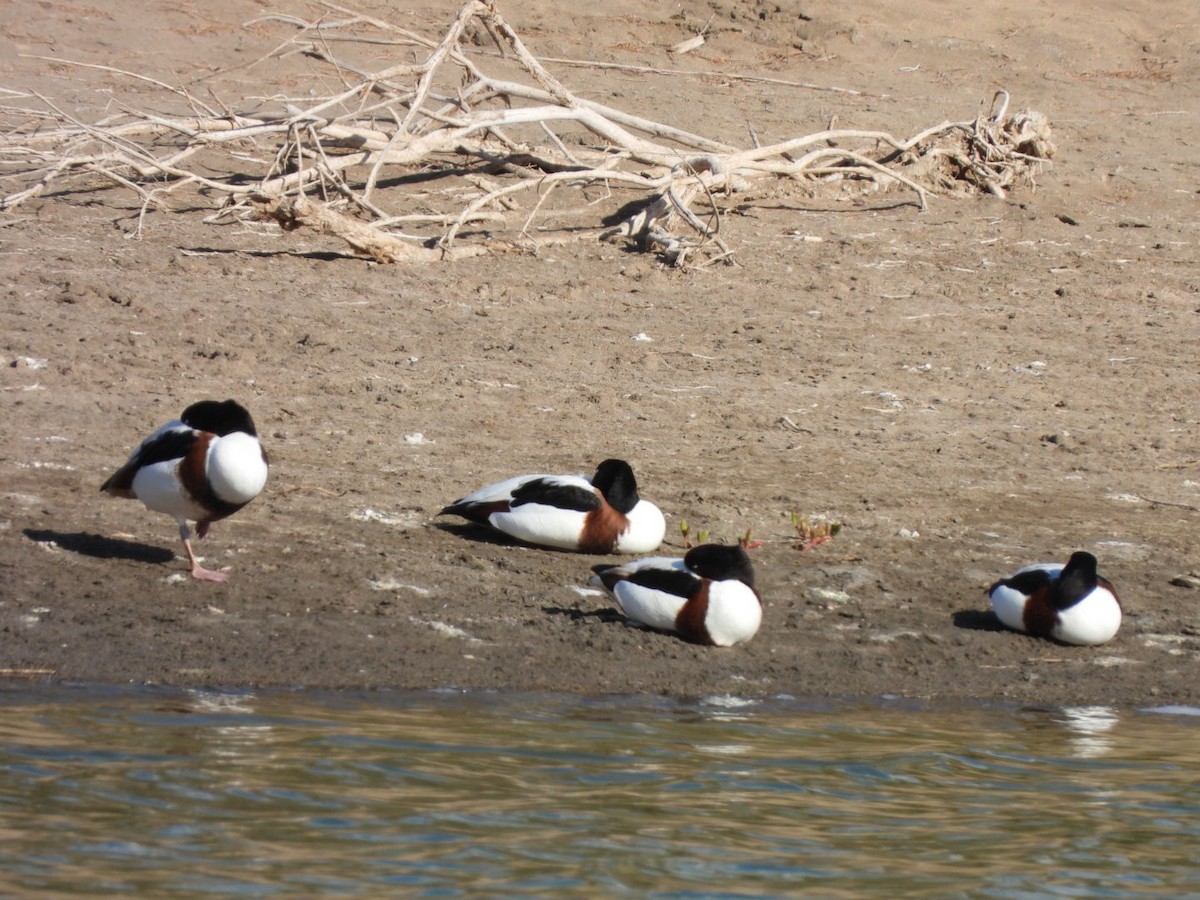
x=490, y=140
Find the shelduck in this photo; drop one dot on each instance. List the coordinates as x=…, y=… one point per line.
x=569, y=512
x=1071, y=604
x=708, y=597
x=202, y=467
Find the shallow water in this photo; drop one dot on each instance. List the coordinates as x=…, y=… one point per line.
x=186, y=794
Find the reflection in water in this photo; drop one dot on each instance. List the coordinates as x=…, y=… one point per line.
x=192, y=793
x=241, y=736
x=1089, y=727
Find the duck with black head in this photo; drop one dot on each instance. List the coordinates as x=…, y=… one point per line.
x=603, y=514
x=202, y=467
x=1072, y=604
x=708, y=597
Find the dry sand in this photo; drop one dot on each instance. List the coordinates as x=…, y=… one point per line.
x=987, y=383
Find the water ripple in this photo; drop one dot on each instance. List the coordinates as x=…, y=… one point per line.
x=197, y=793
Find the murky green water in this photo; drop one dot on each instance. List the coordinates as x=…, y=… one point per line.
x=187, y=794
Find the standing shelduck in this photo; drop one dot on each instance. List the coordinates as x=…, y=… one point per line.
x=1071, y=604
x=204, y=466
x=707, y=597
x=569, y=512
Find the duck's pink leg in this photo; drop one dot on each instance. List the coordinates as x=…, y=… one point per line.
x=198, y=571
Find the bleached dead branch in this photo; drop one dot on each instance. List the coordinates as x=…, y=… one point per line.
x=357, y=164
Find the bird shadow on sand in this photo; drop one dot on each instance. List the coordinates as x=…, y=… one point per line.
x=481, y=534
x=607, y=614
x=977, y=620
x=100, y=547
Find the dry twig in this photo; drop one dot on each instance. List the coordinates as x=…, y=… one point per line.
x=357, y=163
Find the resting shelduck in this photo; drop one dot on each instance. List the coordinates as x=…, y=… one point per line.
x=1071, y=604
x=707, y=597
x=569, y=512
x=204, y=466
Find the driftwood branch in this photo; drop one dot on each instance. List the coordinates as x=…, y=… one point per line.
x=359, y=163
